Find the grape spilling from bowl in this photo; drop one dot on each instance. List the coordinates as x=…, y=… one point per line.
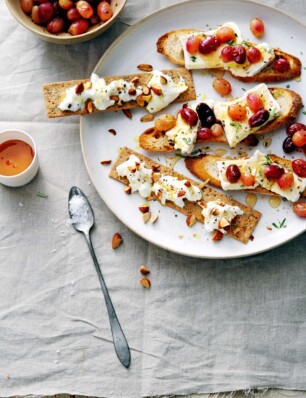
x=74, y=17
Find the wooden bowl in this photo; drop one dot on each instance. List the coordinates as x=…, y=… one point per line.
x=63, y=38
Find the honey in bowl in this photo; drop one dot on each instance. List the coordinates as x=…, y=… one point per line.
x=15, y=157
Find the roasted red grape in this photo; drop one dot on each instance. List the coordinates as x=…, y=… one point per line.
x=299, y=138
x=56, y=25
x=282, y=65
x=45, y=12
x=208, y=45
x=255, y=103
x=247, y=179
x=85, y=9
x=257, y=27
x=253, y=55
x=237, y=112
x=204, y=133
x=239, y=54
x=216, y=130
x=192, y=44
x=288, y=145
x=299, y=208
x=27, y=6
x=189, y=116
x=294, y=127
x=273, y=171
x=78, y=27
x=232, y=173
x=222, y=86
x=225, y=34
x=104, y=11
x=227, y=54
x=73, y=14
x=259, y=118
x=286, y=181
x=206, y=115
x=299, y=167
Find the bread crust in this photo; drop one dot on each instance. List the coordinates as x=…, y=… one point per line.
x=52, y=92
x=242, y=226
x=204, y=167
x=290, y=102
x=170, y=45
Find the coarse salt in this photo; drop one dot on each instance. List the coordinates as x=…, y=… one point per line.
x=79, y=209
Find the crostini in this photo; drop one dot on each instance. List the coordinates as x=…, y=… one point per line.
x=261, y=173
x=258, y=111
x=153, y=181
x=223, y=48
x=153, y=90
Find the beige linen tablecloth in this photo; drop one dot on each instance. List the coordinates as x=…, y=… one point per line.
x=205, y=326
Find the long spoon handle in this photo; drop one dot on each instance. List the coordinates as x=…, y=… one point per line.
x=120, y=342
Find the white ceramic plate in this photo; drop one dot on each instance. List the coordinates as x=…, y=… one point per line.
x=138, y=45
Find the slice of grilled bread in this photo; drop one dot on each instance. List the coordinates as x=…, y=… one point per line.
x=170, y=45
x=53, y=92
x=205, y=168
x=242, y=226
x=289, y=101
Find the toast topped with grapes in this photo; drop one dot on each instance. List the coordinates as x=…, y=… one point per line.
x=154, y=181
x=153, y=90
x=212, y=121
x=224, y=49
x=261, y=173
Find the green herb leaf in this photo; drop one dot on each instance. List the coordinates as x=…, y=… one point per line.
x=42, y=195
x=281, y=224
x=193, y=58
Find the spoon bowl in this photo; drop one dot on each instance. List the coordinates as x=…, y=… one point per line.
x=82, y=218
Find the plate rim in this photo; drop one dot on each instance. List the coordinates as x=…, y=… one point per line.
x=108, y=203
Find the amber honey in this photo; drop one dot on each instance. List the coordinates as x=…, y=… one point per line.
x=15, y=157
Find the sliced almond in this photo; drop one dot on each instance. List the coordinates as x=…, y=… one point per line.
x=146, y=217
x=79, y=88
x=215, y=212
x=140, y=101
x=153, y=219
x=147, y=98
x=145, y=90
x=145, y=67
x=224, y=223
x=87, y=85
x=181, y=193
x=132, y=91
x=127, y=113
x=89, y=107
x=135, y=80
x=163, y=80
x=132, y=169
x=144, y=270
x=187, y=184
x=217, y=235
x=112, y=131
x=120, y=102
x=117, y=240
x=128, y=190
x=155, y=168
x=191, y=220
x=157, y=90
x=106, y=162
x=203, y=184
x=144, y=208
x=145, y=282
x=147, y=118
x=156, y=176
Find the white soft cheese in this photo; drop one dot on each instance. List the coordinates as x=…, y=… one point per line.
x=170, y=91
x=237, y=131
x=166, y=187
x=139, y=176
x=215, y=211
x=256, y=165
x=214, y=60
x=100, y=93
x=175, y=190
x=183, y=135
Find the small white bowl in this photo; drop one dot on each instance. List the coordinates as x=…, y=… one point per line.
x=28, y=174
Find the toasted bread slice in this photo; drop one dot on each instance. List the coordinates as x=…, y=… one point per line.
x=170, y=45
x=242, y=226
x=204, y=167
x=52, y=92
x=289, y=101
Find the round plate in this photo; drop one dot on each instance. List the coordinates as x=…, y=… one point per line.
x=137, y=46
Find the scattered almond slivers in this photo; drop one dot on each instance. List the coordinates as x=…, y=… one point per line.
x=146, y=217
x=147, y=118
x=191, y=220
x=128, y=190
x=153, y=219
x=144, y=270
x=104, y=162
x=145, y=282
x=117, y=240
x=89, y=107
x=127, y=113
x=79, y=88
x=145, y=67
x=144, y=208
x=217, y=235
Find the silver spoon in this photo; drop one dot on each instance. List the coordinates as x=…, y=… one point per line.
x=82, y=217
